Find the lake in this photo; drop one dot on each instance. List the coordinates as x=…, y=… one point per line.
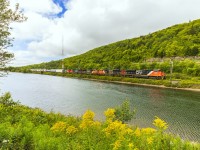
x=179, y=108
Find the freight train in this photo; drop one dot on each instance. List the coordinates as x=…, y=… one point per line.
x=154, y=74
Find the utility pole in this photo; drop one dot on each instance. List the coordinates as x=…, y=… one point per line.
x=62, y=54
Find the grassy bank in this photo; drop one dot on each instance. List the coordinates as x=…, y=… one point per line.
x=22, y=127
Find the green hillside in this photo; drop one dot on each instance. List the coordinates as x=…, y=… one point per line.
x=181, y=43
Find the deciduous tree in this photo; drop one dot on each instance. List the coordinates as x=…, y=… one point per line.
x=7, y=16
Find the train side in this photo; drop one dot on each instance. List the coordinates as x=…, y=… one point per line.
x=157, y=74
x=145, y=73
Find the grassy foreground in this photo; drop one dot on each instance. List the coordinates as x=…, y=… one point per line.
x=22, y=127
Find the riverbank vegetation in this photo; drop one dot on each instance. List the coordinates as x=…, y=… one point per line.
x=22, y=127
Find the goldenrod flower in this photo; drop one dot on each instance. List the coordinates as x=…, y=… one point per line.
x=148, y=130
x=88, y=120
x=160, y=123
x=96, y=123
x=150, y=140
x=137, y=132
x=129, y=131
x=115, y=127
x=117, y=145
x=84, y=124
x=130, y=145
x=89, y=115
x=59, y=126
x=71, y=130
x=110, y=114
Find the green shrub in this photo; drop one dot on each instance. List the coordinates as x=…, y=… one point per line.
x=6, y=99
x=123, y=112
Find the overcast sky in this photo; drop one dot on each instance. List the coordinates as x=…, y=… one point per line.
x=85, y=24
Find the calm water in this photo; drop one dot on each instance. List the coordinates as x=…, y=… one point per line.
x=181, y=109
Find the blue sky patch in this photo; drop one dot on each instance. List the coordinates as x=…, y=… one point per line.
x=62, y=5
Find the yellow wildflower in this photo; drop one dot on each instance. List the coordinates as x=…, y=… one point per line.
x=59, y=126
x=129, y=131
x=160, y=123
x=96, y=123
x=148, y=130
x=130, y=145
x=89, y=115
x=115, y=127
x=88, y=120
x=150, y=140
x=86, y=123
x=71, y=130
x=110, y=114
x=117, y=145
x=137, y=132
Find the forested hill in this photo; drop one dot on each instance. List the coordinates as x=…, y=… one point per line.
x=182, y=40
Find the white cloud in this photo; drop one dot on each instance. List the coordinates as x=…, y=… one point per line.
x=33, y=29
x=91, y=23
x=42, y=6
x=23, y=58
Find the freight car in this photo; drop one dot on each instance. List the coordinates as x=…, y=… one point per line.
x=154, y=74
x=157, y=74
x=99, y=72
